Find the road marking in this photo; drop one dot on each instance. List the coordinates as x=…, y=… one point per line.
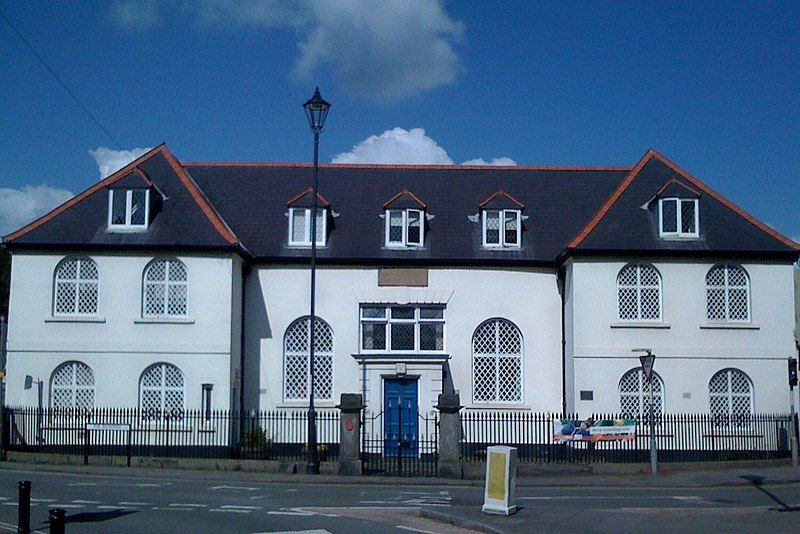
x=607, y=497
x=67, y=506
x=79, y=501
x=315, y=531
x=286, y=512
x=13, y=528
x=401, y=527
x=187, y=505
x=134, y=503
x=12, y=504
x=153, y=485
x=235, y=506
x=230, y=511
x=107, y=507
x=84, y=484
x=244, y=488
x=43, y=500
x=174, y=509
x=376, y=502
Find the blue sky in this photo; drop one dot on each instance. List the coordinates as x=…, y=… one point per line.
x=713, y=86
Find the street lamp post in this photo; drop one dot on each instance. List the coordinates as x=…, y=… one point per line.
x=647, y=360
x=316, y=111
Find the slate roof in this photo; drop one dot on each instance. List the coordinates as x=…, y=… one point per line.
x=566, y=211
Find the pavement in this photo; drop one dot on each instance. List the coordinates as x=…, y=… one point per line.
x=766, y=479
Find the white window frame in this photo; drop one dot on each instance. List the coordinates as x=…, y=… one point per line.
x=305, y=324
x=404, y=241
x=726, y=287
x=679, y=215
x=496, y=356
x=306, y=239
x=162, y=390
x=389, y=321
x=504, y=216
x=728, y=395
x=78, y=282
x=167, y=282
x=73, y=388
x=642, y=394
x=127, y=226
x=639, y=287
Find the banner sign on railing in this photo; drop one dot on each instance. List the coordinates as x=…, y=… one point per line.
x=601, y=430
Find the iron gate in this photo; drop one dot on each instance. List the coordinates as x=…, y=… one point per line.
x=400, y=442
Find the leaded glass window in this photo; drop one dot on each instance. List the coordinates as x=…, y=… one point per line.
x=727, y=294
x=634, y=395
x=128, y=209
x=408, y=328
x=639, y=293
x=296, y=360
x=75, y=291
x=72, y=386
x=497, y=362
x=165, y=289
x=405, y=228
x=300, y=226
x=162, y=392
x=501, y=228
x=679, y=217
x=730, y=396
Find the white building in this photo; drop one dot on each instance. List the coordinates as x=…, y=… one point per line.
x=186, y=285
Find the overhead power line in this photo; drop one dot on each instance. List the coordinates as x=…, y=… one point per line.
x=60, y=81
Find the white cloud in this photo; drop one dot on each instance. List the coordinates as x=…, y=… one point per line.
x=504, y=161
x=110, y=160
x=386, y=49
x=136, y=15
x=18, y=207
x=396, y=146
x=399, y=146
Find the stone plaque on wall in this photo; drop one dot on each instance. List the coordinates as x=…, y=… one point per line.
x=403, y=277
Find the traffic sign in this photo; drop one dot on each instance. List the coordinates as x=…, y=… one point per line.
x=647, y=361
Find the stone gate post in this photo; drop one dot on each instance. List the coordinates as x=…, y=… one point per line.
x=449, y=435
x=350, y=434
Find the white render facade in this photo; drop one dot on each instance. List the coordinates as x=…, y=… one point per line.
x=497, y=297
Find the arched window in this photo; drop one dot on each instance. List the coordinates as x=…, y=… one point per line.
x=634, y=395
x=639, y=293
x=497, y=362
x=730, y=397
x=296, y=368
x=75, y=288
x=727, y=294
x=161, y=391
x=72, y=386
x=164, y=289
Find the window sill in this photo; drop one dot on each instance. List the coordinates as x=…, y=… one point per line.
x=164, y=320
x=501, y=247
x=730, y=326
x=76, y=319
x=304, y=246
x=632, y=324
x=126, y=229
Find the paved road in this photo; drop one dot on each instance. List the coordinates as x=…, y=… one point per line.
x=165, y=501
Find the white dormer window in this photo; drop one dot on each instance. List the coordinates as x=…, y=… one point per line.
x=501, y=228
x=405, y=228
x=128, y=209
x=678, y=217
x=300, y=226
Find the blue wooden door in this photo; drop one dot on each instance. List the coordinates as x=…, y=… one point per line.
x=400, y=418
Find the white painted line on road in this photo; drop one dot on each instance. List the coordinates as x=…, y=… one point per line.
x=233, y=506
x=174, y=509
x=606, y=497
x=402, y=527
x=244, y=488
x=3, y=498
x=230, y=511
x=376, y=502
x=13, y=528
x=43, y=500
x=187, y=505
x=79, y=501
x=84, y=484
x=153, y=485
x=67, y=506
x=12, y=504
x=315, y=531
x=134, y=503
x=108, y=507
x=286, y=512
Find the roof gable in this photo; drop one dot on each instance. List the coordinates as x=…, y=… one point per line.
x=305, y=200
x=627, y=220
x=674, y=188
x=186, y=219
x=501, y=200
x=405, y=199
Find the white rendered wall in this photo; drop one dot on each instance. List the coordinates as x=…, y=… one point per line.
x=688, y=353
x=276, y=296
x=118, y=346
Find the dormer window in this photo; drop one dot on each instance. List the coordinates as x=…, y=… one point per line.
x=679, y=217
x=300, y=208
x=405, y=228
x=501, y=228
x=128, y=209
x=405, y=215
x=501, y=221
x=300, y=226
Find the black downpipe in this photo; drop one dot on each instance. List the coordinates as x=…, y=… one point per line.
x=245, y=273
x=562, y=290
